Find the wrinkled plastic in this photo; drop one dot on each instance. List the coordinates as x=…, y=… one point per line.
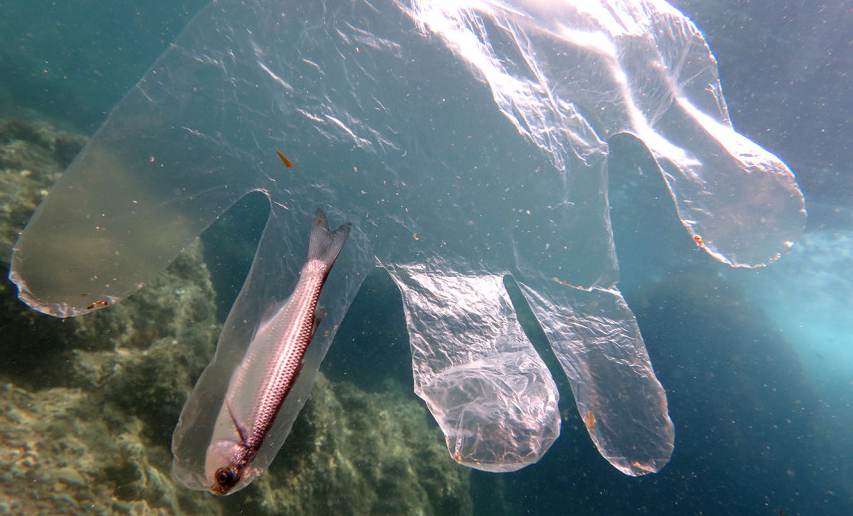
x=490, y=392
x=465, y=141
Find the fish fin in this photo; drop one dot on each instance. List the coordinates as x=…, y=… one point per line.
x=241, y=432
x=324, y=244
x=319, y=314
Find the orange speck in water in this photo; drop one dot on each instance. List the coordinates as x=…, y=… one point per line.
x=284, y=159
x=698, y=240
x=415, y=236
x=100, y=303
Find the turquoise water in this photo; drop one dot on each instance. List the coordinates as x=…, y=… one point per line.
x=756, y=366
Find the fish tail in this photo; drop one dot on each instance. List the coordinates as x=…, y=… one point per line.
x=325, y=245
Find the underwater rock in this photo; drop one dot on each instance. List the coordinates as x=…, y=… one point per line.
x=353, y=452
x=90, y=402
x=32, y=156
x=65, y=451
x=87, y=405
x=116, y=345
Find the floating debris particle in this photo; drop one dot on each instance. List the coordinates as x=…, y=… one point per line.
x=100, y=303
x=284, y=159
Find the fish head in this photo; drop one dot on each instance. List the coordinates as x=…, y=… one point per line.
x=228, y=467
x=224, y=479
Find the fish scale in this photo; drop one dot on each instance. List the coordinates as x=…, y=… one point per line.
x=283, y=375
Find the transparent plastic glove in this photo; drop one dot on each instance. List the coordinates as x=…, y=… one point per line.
x=465, y=141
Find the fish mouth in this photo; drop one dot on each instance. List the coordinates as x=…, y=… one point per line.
x=218, y=490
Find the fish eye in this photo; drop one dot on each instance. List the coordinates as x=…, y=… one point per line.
x=226, y=477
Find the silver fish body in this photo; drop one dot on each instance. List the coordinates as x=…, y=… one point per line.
x=258, y=387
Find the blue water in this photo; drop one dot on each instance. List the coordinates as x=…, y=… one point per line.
x=762, y=405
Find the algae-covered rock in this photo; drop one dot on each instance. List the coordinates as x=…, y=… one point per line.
x=96, y=397
x=64, y=451
x=352, y=452
x=32, y=157
x=88, y=404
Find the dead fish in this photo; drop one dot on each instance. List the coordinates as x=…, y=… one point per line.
x=274, y=355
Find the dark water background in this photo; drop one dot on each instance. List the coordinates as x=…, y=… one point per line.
x=753, y=433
